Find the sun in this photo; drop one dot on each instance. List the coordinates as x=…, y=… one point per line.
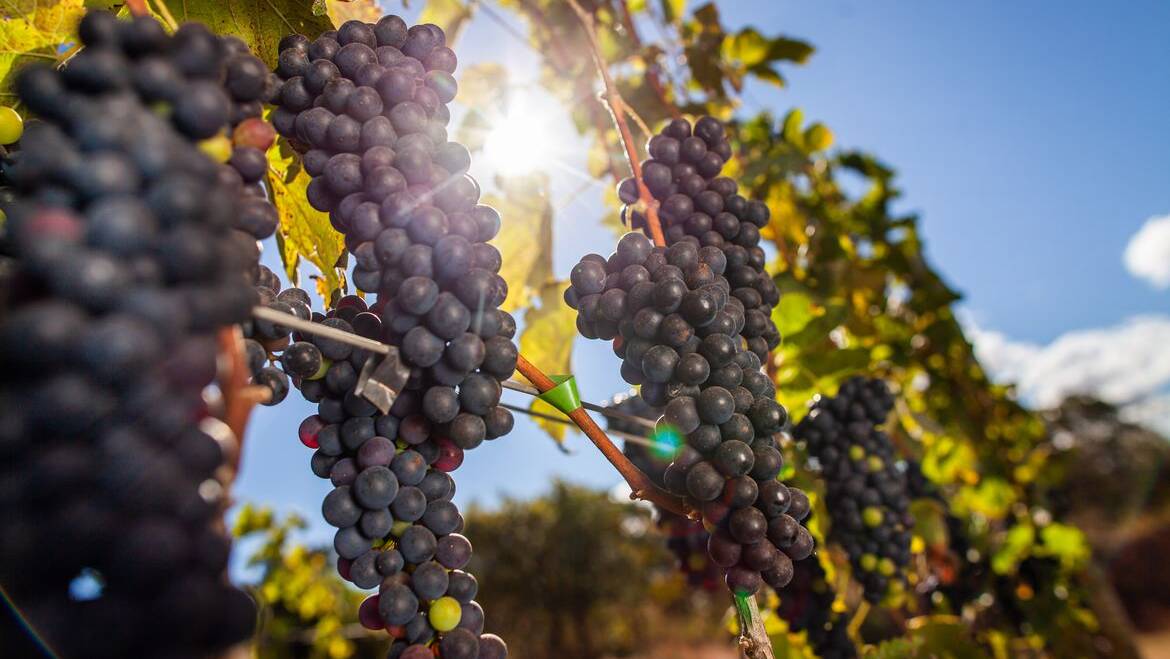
x=525, y=137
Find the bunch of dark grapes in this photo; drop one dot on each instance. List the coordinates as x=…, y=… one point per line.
x=398, y=530
x=693, y=325
x=686, y=538
x=677, y=329
x=865, y=493
x=243, y=145
x=807, y=605
x=366, y=106
x=125, y=265
x=265, y=340
x=696, y=204
x=211, y=88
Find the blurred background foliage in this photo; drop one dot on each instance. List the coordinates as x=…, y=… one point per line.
x=1037, y=532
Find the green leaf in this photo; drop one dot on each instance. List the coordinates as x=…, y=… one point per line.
x=767, y=74
x=794, y=311
x=1066, y=543
x=943, y=636
x=451, y=15
x=1016, y=547
x=791, y=50
x=304, y=232
x=993, y=497
x=747, y=46
x=673, y=10
x=547, y=342
x=525, y=238
x=929, y=522
x=260, y=23
x=35, y=32
x=791, y=127
x=893, y=648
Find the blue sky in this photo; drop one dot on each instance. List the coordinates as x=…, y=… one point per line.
x=1032, y=140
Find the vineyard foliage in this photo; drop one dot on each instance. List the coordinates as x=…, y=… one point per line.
x=858, y=296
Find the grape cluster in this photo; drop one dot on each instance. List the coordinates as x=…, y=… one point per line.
x=125, y=262
x=398, y=529
x=263, y=339
x=693, y=325
x=807, y=605
x=686, y=538
x=366, y=106
x=698, y=205
x=866, y=495
x=210, y=87
x=243, y=145
x=676, y=327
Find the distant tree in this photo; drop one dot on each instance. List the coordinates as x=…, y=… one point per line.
x=574, y=574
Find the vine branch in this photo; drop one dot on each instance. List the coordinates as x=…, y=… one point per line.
x=652, y=76
x=640, y=485
x=619, y=110
x=238, y=396
x=138, y=7
x=753, y=637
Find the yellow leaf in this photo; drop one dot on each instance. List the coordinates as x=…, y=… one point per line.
x=481, y=84
x=555, y=430
x=525, y=239
x=451, y=15
x=341, y=11
x=35, y=31
x=304, y=232
x=547, y=342
x=260, y=23
x=818, y=137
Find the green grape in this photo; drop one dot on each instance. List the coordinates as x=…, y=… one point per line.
x=11, y=125
x=445, y=614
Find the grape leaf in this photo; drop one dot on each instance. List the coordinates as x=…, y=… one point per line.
x=451, y=15
x=547, y=342
x=481, y=84
x=1066, y=543
x=673, y=10
x=525, y=239
x=1016, y=547
x=304, y=232
x=35, y=31
x=341, y=11
x=260, y=23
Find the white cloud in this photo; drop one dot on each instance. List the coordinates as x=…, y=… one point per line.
x=1127, y=364
x=1147, y=256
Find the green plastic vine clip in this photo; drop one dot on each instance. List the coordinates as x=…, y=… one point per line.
x=564, y=396
x=745, y=611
